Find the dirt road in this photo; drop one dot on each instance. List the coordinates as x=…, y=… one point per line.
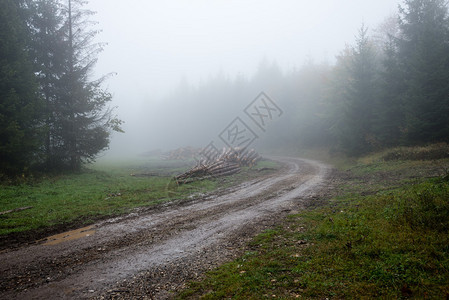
x=152, y=253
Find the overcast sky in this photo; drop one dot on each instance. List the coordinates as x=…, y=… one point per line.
x=152, y=45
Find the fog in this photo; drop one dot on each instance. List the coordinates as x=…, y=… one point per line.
x=164, y=52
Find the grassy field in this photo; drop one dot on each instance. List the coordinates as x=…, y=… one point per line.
x=109, y=188
x=383, y=234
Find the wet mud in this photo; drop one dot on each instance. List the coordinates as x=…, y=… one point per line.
x=151, y=254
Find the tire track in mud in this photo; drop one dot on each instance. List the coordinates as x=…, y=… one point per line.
x=124, y=247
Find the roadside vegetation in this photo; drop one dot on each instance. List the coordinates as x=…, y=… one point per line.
x=383, y=233
x=109, y=189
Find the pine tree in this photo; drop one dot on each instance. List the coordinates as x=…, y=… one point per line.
x=20, y=106
x=78, y=118
x=389, y=119
x=424, y=58
x=48, y=52
x=354, y=96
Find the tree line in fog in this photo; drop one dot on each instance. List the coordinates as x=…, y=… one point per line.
x=390, y=88
x=53, y=115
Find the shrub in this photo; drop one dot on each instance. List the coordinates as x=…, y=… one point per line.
x=431, y=152
x=426, y=207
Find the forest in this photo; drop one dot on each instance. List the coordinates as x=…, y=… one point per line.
x=390, y=88
x=53, y=115
x=333, y=177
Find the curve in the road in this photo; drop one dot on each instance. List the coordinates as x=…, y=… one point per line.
x=123, y=247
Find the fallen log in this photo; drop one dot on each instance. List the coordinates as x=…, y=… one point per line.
x=227, y=163
x=15, y=210
x=230, y=172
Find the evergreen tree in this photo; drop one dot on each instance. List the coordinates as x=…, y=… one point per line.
x=424, y=59
x=354, y=96
x=389, y=116
x=78, y=118
x=20, y=106
x=48, y=52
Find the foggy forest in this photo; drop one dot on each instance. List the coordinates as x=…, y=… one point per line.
x=88, y=85
x=387, y=88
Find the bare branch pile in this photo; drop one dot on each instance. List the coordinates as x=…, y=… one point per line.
x=229, y=162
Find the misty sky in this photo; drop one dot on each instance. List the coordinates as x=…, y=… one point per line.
x=153, y=45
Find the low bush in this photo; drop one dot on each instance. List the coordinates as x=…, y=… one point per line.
x=426, y=206
x=431, y=152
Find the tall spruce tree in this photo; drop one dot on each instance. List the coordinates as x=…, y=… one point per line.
x=389, y=119
x=19, y=103
x=424, y=58
x=48, y=52
x=78, y=117
x=354, y=95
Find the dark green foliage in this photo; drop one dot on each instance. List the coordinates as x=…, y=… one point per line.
x=405, y=99
x=51, y=112
x=389, y=111
x=424, y=56
x=354, y=96
x=77, y=117
x=20, y=106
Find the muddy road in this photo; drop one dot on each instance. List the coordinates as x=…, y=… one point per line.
x=150, y=254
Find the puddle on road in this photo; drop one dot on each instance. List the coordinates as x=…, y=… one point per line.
x=69, y=235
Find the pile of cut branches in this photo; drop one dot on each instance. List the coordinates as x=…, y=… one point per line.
x=229, y=162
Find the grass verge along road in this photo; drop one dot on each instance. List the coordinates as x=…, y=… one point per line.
x=64, y=202
x=382, y=232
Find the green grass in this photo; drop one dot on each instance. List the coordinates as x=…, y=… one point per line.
x=107, y=189
x=266, y=164
x=104, y=191
x=391, y=243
